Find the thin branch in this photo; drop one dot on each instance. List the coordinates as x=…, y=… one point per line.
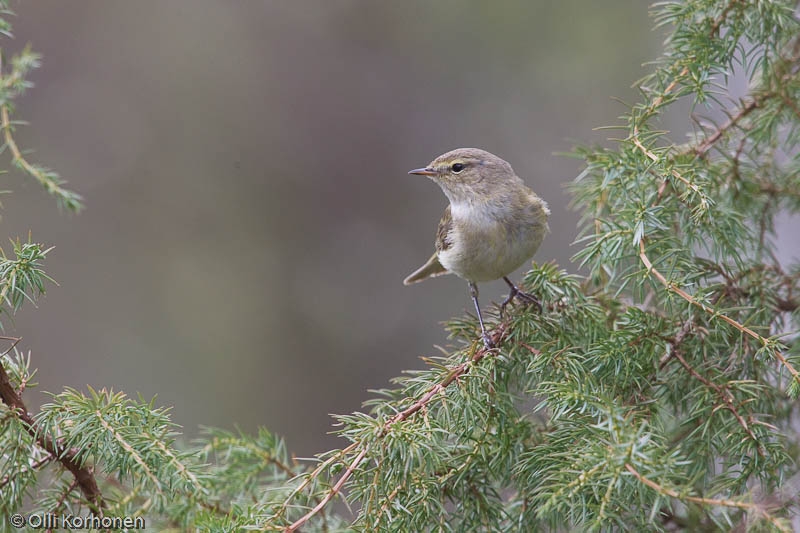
x=719, y=20
x=791, y=104
x=497, y=335
x=455, y=373
x=756, y=101
x=14, y=342
x=331, y=493
x=63, y=497
x=16, y=153
x=757, y=509
x=745, y=110
x=670, y=286
x=685, y=329
x=266, y=456
x=669, y=88
x=68, y=457
x=689, y=298
x=314, y=475
x=179, y=466
x=35, y=466
x=386, y=505
x=130, y=450
x=724, y=394
x=653, y=157
x=46, y=178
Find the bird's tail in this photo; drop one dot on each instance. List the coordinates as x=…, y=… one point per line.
x=430, y=269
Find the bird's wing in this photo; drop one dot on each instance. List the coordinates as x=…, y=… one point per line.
x=443, y=237
x=432, y=266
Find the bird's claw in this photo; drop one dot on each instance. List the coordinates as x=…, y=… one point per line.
x=529, y=299
x=521, y=295
x=488, y=342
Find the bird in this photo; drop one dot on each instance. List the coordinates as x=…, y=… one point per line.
x=492, y=225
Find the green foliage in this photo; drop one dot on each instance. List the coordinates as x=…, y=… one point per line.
x=13, y=83
x=657, y=393
x=22, y=277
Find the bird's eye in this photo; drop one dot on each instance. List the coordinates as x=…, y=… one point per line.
x=457, y=167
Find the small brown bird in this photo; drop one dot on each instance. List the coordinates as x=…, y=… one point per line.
x=494, y=223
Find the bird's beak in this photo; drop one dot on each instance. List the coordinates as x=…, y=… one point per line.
x=427, y=171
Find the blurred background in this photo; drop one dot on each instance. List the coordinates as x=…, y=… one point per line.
x=249, y=217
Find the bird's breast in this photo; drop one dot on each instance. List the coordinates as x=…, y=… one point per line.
x=490, y=242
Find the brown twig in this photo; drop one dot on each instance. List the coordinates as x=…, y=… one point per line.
x=497, y=336
x=17, y=157
x=719, y=20
x=64, y=495
x=724, y=394
x=706, y=501
x=756, y=101
x=791, y=104
x=674, y=343
x=454, y=374
x=14, y=342
x=386, y=504
x=668, y=89
x=313, y=475
x=642, y=253
x=689, y=298
x=265, y=455
x=653, y=157
x=35, y=466
x=68, y=457
x=709, y=141
x=332, y=492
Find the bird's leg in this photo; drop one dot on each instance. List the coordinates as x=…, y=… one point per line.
x=473, y=291
x=516, y=292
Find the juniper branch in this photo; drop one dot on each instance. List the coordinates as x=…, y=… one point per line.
x=497, y=334
x=745, y=506
x=67, y=457
x=46, y=178
x=715, y=314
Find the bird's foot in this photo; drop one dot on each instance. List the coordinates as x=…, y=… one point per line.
x=523, y=296
x=488, y=342
x=529, y=298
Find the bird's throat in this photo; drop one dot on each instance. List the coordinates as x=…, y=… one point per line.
x=479, y=214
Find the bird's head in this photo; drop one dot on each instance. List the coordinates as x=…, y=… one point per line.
x=470, y=175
